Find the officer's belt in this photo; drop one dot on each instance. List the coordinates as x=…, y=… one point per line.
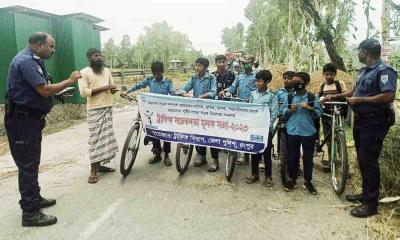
x=33, y=113
x=371, y=115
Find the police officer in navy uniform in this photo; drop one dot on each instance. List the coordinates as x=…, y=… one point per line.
x=370, y=100
x=28, y=100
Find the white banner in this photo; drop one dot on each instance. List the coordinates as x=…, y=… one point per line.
x=227, y=125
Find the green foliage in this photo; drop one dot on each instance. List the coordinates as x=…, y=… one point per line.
x=110, y=51
x=233, y=38
x=158, y=42
x=395, y=15
x=395, y=58
x=293, y=30
x=390, y=163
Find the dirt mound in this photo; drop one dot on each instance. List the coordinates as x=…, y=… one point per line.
x=316, y=78
x=277, y=70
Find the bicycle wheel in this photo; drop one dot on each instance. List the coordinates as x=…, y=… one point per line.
x=230, y=165
x=283, y=157
x=339, y=163
x=183, y=156
x=130, y=150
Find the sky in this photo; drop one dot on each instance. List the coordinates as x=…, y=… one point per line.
x=202, y=20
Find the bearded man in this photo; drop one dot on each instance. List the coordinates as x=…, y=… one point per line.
x=97, y=86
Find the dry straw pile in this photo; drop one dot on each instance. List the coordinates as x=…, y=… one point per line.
x=316, y=78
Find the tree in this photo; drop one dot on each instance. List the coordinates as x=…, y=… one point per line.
x=110, y=52
x=336, y=11
x=233, y=38
x=158, y=42
x=267, y=35
x=294, y=32
x=125, y=56
x=367, y=9
x=395, y=23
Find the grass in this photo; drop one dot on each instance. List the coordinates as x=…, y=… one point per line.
x=386, y=225
x=60, y=118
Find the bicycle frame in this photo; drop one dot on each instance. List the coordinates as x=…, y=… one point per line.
x=337, y=124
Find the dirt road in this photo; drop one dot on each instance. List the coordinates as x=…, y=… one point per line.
x=154, y=202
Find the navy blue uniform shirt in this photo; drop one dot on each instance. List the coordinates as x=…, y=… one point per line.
x=27, y=71
x=371, y=81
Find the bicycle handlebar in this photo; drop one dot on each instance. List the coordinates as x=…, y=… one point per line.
x=129, y=98
x=335, y=103
x=236, y=99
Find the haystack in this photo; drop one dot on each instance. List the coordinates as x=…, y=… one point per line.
x=316, y=78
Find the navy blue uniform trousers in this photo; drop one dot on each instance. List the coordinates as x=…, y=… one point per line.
x=25, y=138
x=368, y=134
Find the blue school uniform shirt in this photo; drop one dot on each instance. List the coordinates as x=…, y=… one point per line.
x=281, y=94
x=301, y=122
x=163, y=86
x=202, y=85
x=267, y=98
x=243, y=85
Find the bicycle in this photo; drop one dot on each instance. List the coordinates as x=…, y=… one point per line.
x=282, y=152
x=132, y=143
x=183, y=156
x=232, y=156
x=337, y=153
x=184, y=153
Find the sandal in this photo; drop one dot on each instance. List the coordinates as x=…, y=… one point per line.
x=104, y=169
x=214, y=166
x=93, y=179
x=157, y=158
x=167, y=161
x=252, y=179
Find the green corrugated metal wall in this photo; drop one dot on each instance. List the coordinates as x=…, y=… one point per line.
x=64, y=47
x=73, y=38
x=25, y=26
x=8, y=48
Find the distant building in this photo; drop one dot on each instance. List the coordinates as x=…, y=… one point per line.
x=177, y=64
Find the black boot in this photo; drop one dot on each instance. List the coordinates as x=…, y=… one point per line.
x=364, y=211
x=37, y=218
x=354, y=198
x=214, y=166
x=44, y=203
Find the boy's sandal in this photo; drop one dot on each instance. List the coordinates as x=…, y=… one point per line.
x=252, y=179
x=167, y=162
x=213, y=167
x=93, y=179
x=104, y=169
